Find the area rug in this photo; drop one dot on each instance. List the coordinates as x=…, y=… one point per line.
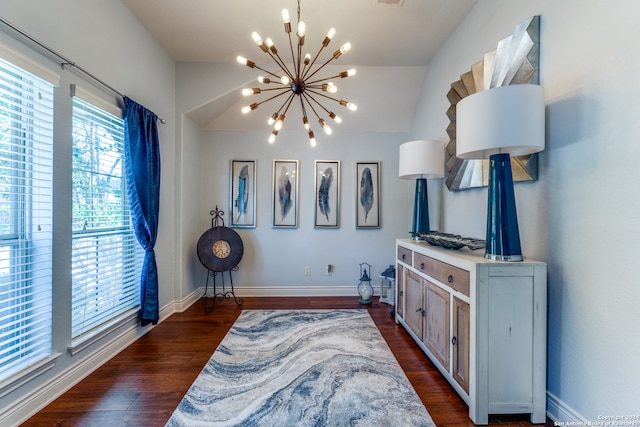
x=302, y=368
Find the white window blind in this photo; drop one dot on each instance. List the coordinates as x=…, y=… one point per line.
x=26, y=141
x=107, y=258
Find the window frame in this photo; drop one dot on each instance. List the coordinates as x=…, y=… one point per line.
x=26, y=177
x=83, y=336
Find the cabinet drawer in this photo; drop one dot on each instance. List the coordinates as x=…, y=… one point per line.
x=455, y=277
x=404, y=255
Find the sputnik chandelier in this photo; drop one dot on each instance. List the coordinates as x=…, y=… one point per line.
x=299, y=81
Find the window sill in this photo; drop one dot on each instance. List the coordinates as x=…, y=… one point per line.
x=88, y=338
x=27, y=374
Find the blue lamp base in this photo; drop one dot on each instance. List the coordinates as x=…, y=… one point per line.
x=420, y=210
x=503, y=235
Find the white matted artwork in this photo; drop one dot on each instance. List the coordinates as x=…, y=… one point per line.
x=327, y=194
x=285, y=193
x=367, y=184
x=242, y=197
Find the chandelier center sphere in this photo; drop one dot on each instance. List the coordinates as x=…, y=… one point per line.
x=298, y=86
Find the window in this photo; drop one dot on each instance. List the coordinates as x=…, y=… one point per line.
x=107, y=259
x=26, y=141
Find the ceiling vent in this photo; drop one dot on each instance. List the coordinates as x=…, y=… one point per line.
x=394, y=2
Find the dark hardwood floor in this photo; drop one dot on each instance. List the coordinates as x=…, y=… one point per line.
x=143, y=384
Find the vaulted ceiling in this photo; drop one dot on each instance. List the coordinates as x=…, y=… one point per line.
x=383, y=33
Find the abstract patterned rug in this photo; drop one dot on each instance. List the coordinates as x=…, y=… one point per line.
x=302, y=368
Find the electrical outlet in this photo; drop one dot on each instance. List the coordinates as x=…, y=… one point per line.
x=307, y=271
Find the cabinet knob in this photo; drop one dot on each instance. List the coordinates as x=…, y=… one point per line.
x=450, y=279
x=454, y=340
x=422, y=266
x=401, y=293
x=404, y=256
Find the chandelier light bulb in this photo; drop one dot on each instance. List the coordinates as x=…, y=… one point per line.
x=325, y=127
x=305, y=122
x=272, y=119
x=249, y=108
x=256, y=38
x=244, y=61
x=329, y=87
x=307, y=59
x=351, y=72
x=343, y=49
x=285, y=16
x=312, y=139
x=272, y=137
x=271, y=46
x=250, y=91
x=335, y=117
x=264, y=80
x=349, y=105
x=301, y=30
x=329, y=36
x=278, y=124
x=285, y=80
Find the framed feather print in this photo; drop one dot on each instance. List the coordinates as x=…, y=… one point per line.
x=242, y=197
x=327, y=195
x=367, y=194
x=285, y=193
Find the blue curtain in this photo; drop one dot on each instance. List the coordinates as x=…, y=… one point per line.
x=142, y=166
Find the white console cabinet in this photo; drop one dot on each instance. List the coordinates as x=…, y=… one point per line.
x=483, y=324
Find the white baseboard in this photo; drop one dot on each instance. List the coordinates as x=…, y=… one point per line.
x=300, y=291
x=186, y=302
x=560, y=412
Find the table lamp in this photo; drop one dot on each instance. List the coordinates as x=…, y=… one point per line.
x=495, y=124
x=421, y=160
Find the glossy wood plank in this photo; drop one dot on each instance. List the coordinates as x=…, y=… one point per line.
x=143, y=384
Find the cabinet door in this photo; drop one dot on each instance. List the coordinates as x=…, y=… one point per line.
x=460, y=341
x=413, y=302
x=400, y=290
x=436, y=329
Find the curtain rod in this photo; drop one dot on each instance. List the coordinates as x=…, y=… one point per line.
x=64, y=62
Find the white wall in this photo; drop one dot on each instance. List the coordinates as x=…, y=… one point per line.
x=274, y=260
x=104, y=38
x=188, y=181
x=581, y=217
